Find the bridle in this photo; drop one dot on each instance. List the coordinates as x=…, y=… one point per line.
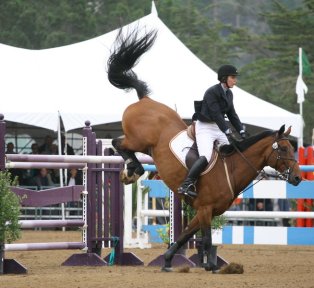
x=264, y=175
x=280, y=151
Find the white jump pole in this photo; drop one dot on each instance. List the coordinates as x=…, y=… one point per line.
x=240, y=214
x=73, y=159
x=28, y=224
x=44, y=246
x=268, y=214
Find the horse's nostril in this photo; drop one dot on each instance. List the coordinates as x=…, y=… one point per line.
x=297, y=179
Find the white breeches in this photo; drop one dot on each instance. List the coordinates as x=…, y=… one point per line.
x=206, y=134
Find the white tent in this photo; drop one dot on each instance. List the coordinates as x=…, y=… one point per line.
x=38, y=85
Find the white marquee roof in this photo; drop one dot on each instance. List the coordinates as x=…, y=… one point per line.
x=37, y=85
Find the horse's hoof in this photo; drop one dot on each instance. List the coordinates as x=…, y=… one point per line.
x=166, y=269
x=215, y=271
x=124, y=177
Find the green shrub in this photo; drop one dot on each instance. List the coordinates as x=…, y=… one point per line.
x=9, y=210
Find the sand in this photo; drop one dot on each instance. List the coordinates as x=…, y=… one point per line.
x=264, y=266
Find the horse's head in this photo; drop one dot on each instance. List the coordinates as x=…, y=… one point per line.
x=282, y=157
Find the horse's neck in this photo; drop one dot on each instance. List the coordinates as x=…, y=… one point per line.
x=249, y=164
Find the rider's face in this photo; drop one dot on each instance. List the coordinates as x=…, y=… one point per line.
x=231, y=81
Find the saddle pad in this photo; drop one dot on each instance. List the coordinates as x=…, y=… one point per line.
x=180, y=146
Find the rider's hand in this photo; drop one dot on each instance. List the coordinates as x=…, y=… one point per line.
x=244, y=135
x=230, y=136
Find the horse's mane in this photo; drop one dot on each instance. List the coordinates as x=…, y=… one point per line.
x=245, y=144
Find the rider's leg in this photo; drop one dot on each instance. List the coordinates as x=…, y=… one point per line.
x=188, y=186
x=205, y=137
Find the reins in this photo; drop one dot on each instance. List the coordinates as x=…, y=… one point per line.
x=263, y=173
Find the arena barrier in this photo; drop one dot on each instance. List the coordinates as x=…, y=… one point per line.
x=265, y=189
x=101, y=194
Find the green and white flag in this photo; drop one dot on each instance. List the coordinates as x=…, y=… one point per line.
x=305, y=69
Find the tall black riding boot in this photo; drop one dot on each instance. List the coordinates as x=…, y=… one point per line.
x=188, y=186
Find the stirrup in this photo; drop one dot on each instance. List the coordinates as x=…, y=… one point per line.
x=188, y=191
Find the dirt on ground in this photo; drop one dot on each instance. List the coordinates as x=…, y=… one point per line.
x=264, y=266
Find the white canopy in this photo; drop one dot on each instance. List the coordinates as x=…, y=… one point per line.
x=38, y=85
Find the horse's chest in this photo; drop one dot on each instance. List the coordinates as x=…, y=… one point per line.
x=222, y=204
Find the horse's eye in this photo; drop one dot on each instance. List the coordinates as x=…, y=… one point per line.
x=284, y=149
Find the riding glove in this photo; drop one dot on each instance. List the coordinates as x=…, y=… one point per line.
x=230, y=136
x=244, y=135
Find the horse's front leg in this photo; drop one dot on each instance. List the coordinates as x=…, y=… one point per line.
x=206, y=260
x=188, y=232
x=134, y=168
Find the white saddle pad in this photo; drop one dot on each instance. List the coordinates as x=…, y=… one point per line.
x=180, y=145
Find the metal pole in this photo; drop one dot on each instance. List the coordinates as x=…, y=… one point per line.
x=60, y=170
x=300, y=142
x=2, y=143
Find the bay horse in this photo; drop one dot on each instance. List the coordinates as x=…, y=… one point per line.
x=149, y=126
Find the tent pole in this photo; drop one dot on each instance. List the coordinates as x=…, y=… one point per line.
x=60, y=170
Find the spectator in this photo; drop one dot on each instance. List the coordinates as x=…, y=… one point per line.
x=54, y=149
x=35, y=149
x=46, y=147
x=31, y=173
x=10, y=148
x=260, y=205
x=43, y=178
x=74, y=177
x=15, y=172
x=237, y=205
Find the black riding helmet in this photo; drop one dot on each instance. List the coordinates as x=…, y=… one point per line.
x=226, y=70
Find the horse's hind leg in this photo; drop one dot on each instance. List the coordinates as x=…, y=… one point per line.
x=134, y=167
x=188, y=232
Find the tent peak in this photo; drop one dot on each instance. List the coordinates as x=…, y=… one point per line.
x=154, y=10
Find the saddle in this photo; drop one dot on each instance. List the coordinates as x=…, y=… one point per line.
x=192, y=155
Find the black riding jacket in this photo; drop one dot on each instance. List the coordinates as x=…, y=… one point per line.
x=215, y=105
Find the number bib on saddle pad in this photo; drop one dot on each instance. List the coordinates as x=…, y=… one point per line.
x=185, y=150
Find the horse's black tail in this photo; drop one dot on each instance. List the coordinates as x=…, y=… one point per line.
x=128, y=49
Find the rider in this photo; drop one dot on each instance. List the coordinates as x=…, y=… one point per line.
x=210, y=124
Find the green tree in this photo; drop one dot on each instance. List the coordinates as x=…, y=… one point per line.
x=201, y=34
x=273, y=73
x=45, y=24
x=110, y=14
x=9, y=214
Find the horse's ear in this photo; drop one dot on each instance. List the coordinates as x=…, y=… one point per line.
x=287, y=133
x=281, y=130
